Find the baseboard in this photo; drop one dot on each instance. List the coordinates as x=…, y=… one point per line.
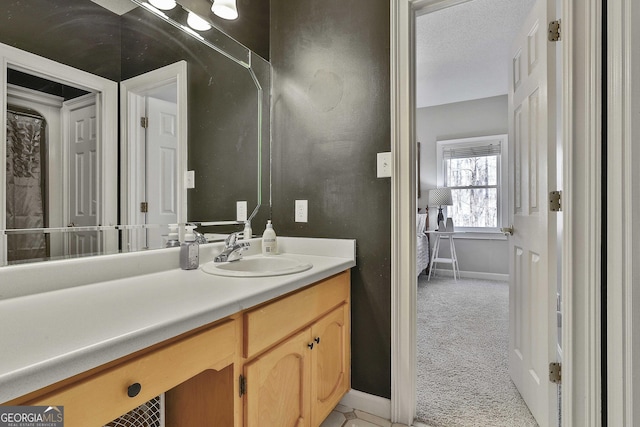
x=375, y=405
x=474, y=275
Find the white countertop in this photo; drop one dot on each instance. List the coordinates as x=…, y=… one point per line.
x=49, y=336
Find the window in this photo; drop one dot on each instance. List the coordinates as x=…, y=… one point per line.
x=475, y=170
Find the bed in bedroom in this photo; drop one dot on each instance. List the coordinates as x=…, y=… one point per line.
x=422, y=243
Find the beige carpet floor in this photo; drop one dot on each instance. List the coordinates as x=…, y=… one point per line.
x=463, y=378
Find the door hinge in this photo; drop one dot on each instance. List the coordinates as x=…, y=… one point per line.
x=554, y=31
x=144, y=207
x=243, y=385
x=555, y=372
x=144, y=122
x=555, y=201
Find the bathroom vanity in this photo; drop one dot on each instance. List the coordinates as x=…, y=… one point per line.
x=225, y=351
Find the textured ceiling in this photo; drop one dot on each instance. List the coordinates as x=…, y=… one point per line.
x=462, y=52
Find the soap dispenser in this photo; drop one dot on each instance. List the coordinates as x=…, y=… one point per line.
x=248, y=232
x=189, y=250
x=173, y=241
x=269, y=240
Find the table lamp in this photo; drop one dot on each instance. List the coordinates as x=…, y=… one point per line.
x=440, y=197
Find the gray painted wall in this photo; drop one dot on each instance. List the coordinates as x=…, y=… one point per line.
x=330, y=117
x=481, y=117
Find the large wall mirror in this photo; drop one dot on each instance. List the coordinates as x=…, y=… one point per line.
x=107, y=105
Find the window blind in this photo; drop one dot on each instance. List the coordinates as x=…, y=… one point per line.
x=491, y=149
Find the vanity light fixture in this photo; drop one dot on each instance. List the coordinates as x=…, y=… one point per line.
x=197, y=23
x=225, y=9
x=163, y=4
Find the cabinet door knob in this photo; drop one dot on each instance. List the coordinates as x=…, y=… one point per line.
x=310, y=345
x=134, y=389
x=317, y=340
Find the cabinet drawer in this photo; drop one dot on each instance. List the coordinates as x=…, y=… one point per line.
x=100, y=398
x=274, y=321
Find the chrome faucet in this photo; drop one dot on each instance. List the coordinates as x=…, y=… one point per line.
x=232, y=249
x=200, y=238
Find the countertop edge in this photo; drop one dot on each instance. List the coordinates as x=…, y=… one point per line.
x=36, y=376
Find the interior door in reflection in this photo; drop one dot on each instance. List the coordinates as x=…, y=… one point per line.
x=161, y=168
x=83, y=163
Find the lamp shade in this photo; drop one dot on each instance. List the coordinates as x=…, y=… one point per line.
x=225, y=9
x=440, y=197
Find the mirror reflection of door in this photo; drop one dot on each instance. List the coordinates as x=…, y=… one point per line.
x=161, y=166
x=154, y=113
x=80, y=165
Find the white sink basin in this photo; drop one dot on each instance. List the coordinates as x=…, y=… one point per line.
x=256, y=266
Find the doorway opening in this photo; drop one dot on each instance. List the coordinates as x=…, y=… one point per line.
x=451, y=116
x=60, y=156
x=154, y=149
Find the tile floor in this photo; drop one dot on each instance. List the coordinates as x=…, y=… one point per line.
x=343, y=416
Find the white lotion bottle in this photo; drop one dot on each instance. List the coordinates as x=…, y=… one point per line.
x=269, y=241
x=189, y=250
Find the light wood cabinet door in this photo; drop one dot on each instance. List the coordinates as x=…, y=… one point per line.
x=330, y=363
x=278, y=392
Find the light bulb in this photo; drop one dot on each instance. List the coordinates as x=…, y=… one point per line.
x=225, y=9
x=163, y=4
x=197, y=23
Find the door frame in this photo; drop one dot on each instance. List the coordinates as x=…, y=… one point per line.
x=11, y=57
x=581, y=125
x=133, y=93
x=623, y=59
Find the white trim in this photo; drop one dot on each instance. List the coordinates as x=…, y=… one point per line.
x=30, y=95
x=581, y=385
x=479, y=235
x=403, y=211
x=369, y=403
x=622, y=72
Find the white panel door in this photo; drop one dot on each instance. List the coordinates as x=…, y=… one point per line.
x=532, y=270
x=161, y=169
x=82, y=143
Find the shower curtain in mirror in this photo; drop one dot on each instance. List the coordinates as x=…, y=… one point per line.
x=25, y=201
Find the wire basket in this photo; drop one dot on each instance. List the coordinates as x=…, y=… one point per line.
x=149, y=414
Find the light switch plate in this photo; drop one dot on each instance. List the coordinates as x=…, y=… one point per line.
x=241, y=211
x=384, y=165
x=190, y=179
x=302, y=210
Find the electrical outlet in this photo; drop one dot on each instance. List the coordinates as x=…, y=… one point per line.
x=301, y=210
x=384, y=165
x=241, y=211
x=190, y=179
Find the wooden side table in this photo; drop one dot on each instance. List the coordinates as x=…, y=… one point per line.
x=436, y=259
